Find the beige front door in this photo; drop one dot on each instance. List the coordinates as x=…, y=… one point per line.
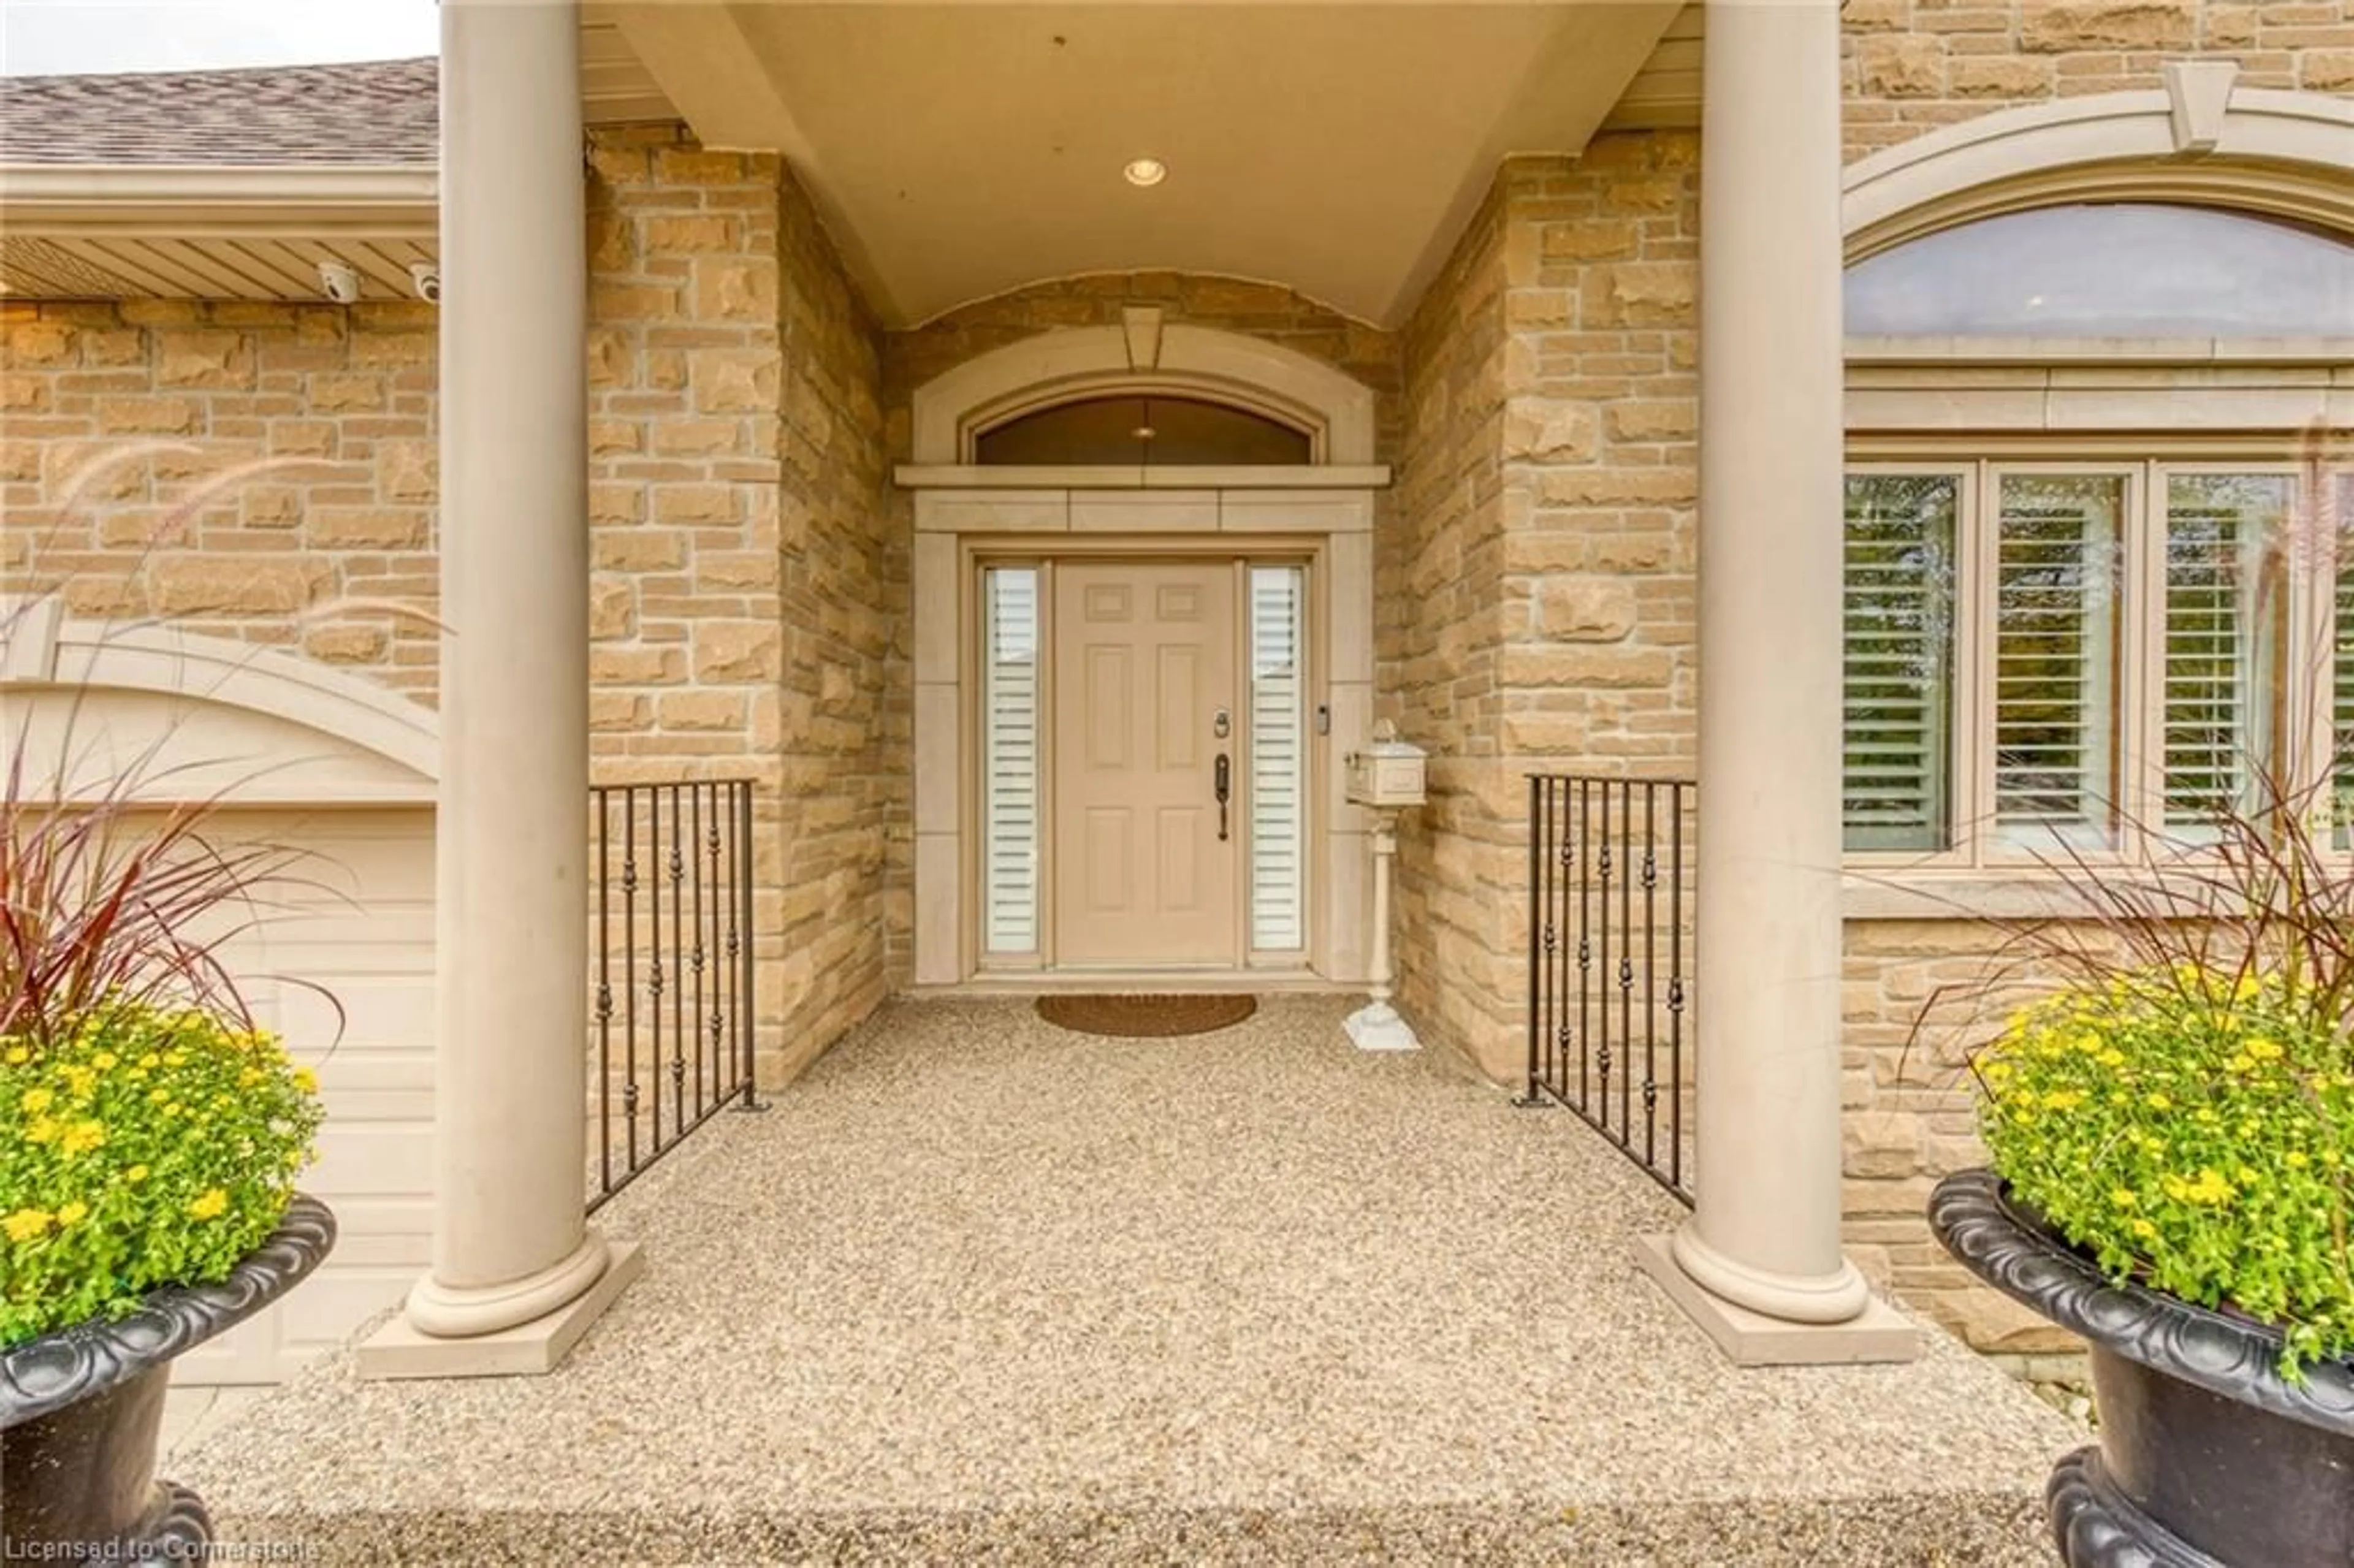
x=1144, y=681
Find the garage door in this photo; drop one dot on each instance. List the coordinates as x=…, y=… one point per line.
x=365, y=937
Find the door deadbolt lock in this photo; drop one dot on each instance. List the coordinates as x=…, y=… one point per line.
x=1222, y=724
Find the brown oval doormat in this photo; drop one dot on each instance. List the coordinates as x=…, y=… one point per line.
x=1146, y=1017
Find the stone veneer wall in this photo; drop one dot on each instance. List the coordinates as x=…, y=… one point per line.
x=849, y=656
x=259, y=472
x=1915, y=65
x=1539, y=607
x=1438, y=630
x=747, y=608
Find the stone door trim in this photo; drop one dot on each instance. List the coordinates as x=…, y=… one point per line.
x=957, y=532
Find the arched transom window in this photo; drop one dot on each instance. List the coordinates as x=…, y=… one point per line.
x=2123, y=270
x=1143, y=430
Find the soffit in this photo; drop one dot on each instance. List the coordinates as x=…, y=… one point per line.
x=131, y=231
x=1665, y=92
x=957, y=151
x=238, y=184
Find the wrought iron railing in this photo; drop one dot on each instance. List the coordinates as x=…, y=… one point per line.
x=1611, y=873
x=670, y=1014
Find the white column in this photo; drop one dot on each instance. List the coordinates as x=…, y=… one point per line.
x=511, y=1248
x=1766, y=1237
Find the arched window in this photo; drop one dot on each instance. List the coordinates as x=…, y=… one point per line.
x=2132, y=607
x=2109, y=270
x=1143, y=430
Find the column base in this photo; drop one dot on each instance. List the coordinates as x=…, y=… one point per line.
x=462, y=1312
x=400, y=1349
x=1802, y=1299
x=1376, y=1026
x=1750, y=1339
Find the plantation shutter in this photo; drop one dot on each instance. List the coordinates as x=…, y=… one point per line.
x=2214, y=716
x=1010, y=760
x=1899, y=630
x=1278, y=872
x=2057, y=656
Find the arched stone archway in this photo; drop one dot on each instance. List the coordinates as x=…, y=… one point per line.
x=1145, y=353
x=206, y=717
x=2201, y=140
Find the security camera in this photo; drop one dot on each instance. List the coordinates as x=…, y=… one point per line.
x=425, y=278
x=341, y=282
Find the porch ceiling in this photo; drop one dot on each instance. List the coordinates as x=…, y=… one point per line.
x=962, y=150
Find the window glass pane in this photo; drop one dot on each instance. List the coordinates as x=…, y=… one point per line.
x=2057, y=625
x=2221, y=625
x=1279, y=773
x=1009, y=853
x=1147, y=432
x=2125, y=269
x=1900, y=660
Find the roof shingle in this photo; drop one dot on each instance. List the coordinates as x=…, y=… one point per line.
x=375, y=112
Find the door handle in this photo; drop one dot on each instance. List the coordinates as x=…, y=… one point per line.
x=1224, y=775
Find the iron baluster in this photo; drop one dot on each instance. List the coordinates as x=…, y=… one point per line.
x=657, y=977
x=1651, y=968
x=604, y=809
x=746, y=998
x=629, y=973
x=695, y=955
x=1540, y=934
x=1676, y=989
x=1604, y=867
x=1626, y=962
x=678, y=979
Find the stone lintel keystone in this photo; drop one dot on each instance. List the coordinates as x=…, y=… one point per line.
x=1141, y=324
x=2198, y=93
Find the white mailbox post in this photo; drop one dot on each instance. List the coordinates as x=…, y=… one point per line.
x=1386, y=777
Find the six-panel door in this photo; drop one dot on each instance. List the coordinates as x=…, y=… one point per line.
x=1145, y=683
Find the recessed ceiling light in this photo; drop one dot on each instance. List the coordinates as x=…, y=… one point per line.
x=1146, y=172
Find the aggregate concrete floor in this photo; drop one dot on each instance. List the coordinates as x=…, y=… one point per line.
x=977, y=1289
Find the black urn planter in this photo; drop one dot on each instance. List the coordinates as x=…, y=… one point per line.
x=80, y=1411
x=2207, y=1456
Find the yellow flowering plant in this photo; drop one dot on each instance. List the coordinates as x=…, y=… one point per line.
x=2192, y=1129
x=144, y=1145
x=150, y=1135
